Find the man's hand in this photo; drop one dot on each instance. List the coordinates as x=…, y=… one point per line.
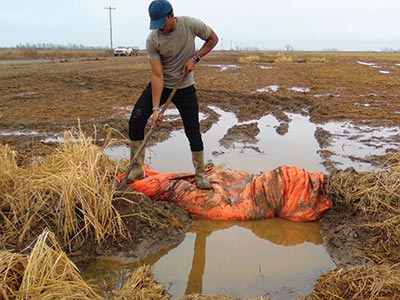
x=189, y=67
x=156, y=118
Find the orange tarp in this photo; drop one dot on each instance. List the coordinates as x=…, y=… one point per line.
x=288, y=192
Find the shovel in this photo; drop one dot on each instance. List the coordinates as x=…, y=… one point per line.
x=124, y=179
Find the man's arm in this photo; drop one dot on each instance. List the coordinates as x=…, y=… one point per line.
x=157, y=85
x=208, y=45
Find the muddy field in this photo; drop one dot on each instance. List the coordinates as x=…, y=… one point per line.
x=39, y=101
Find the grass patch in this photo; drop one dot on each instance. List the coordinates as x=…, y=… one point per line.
x=250, y=59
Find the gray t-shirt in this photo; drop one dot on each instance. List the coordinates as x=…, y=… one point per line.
x=175, y=48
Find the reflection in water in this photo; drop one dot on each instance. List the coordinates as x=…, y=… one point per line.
x=243, y=259
x=276, y=231
x=195, y=278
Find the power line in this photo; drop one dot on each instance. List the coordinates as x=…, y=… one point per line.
x=110, y=8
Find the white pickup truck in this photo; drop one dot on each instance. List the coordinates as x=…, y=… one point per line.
x=123, y=51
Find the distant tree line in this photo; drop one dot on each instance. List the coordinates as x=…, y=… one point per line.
x=73, y=46
x=386, y=49
x=52, y=46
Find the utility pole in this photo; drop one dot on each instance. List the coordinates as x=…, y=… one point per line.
x=110, y=8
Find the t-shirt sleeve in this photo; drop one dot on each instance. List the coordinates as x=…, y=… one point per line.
x=200, y=29
x=151, y=47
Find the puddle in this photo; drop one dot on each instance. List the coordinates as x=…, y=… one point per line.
x=275, y=88
x=222, y=67
x=270, y=88
x=327, y=95
x=353, y=144
x=297, y=147
x=374, y=65
x=18, y=132
x=370, y=64
x=274, y=257
x=246, y=259
x=23, y=94
x=299, y=89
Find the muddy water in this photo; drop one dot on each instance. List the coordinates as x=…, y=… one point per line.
x=275, y=258
x=297, y=147
x=350, y=146
x=245, y=259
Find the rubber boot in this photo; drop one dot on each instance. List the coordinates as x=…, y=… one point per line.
x=198, y=163
x=137, y=172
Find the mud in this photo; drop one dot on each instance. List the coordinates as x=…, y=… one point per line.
x=245, y=133
x=150, y=226
x=344, y=237
x=50, y=98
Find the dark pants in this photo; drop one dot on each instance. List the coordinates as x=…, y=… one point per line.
x=185, y=101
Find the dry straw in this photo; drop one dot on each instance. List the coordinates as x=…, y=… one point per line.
x=12, y=267
x=141, y=286
x=362, y=282
x=384, y=246
x=250, y=59
x=70, y=191
x=282, y=58
x=50, y=274
x=371, y=192
x=8, y=171
x=377, y=196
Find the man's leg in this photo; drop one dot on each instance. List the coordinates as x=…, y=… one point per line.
x=186, y=102
x=137, y=123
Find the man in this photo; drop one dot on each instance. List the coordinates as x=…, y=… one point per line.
x=171, y=50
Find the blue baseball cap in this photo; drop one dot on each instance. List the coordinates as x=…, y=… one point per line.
x=158, y=11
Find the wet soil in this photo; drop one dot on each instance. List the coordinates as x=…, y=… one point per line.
x=51, y=97
x=150, y=227
x=344, y=237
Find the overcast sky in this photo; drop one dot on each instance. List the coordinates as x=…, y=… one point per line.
x=268, y=25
